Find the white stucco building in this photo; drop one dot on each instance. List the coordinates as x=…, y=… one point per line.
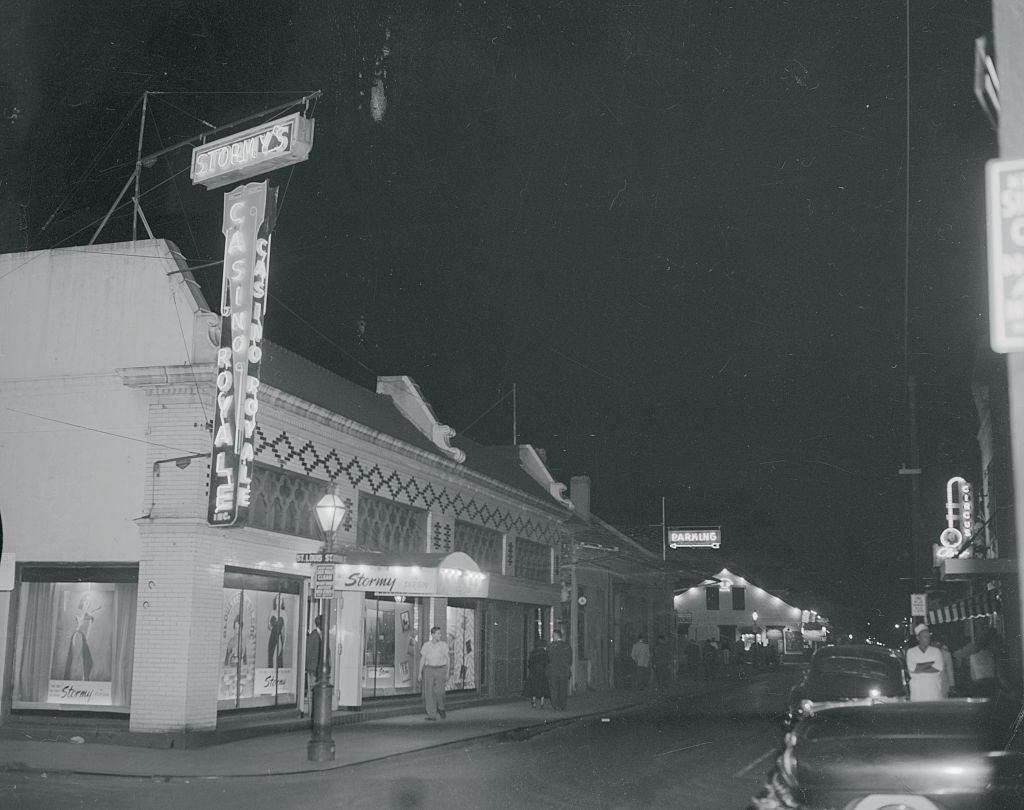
x=116, y=595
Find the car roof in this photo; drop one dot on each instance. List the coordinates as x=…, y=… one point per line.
x=872, y=651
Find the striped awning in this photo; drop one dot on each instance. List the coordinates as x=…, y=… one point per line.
x=975, y=606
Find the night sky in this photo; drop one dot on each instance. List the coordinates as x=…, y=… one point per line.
x=679, y=228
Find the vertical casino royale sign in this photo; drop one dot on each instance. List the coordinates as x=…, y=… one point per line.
x=248, y=219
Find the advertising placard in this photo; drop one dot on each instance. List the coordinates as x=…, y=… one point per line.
x=1005, y=214
x=82, y=662
x=248, y=219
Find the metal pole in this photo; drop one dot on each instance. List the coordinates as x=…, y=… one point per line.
x=321, y=743
x=138, y=169
x=664, y=539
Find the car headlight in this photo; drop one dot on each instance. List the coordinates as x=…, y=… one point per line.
x=806, y=705
x=874, y=692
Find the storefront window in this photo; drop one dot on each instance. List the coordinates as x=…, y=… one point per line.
x=259, y=641
x=390, y=636
x=461, y=659
x=75, y=638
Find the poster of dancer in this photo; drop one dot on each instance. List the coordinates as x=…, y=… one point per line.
x=81, y=666
x=238, y=647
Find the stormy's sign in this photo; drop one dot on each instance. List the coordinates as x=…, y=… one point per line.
x=248, y=219
x=255, y=151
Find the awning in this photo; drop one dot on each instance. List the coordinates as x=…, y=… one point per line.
x=454, y=575
x=975, y=606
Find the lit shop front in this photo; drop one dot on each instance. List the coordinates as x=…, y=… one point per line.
x=385, y=605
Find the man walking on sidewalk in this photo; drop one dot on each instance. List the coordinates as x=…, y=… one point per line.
x=434, y=674
x=641, y=655
x=559, y=670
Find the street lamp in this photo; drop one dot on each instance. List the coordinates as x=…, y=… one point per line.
x=330, y=511
x=754, y=617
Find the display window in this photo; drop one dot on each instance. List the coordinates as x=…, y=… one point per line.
x=75, y=638
x=391, y=634
x=461, y=622
x=259, y=641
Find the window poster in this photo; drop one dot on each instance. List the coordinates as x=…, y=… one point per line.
x=238, y=648
x=81, y=664
x=276, y=640
x=461, y=629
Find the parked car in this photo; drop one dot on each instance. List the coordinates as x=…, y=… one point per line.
x=848, y=672
x=866, y=755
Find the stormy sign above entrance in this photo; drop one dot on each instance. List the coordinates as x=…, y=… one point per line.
x=258, y=150
x=695, y=538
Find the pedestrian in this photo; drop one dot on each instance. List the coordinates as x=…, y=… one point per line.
x=709, y=653
x=981, y=658
x=537, y=687
x=948, y=673
x=693, y=658
x=641, y=655
x=434, y=674
x=739, y=657
x=314, y=641
x=559, y=670
x=660, y=663
x=925, y=664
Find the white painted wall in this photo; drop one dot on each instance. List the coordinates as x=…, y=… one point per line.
x=771, y=610
x=73, y=439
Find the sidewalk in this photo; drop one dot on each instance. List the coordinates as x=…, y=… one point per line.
x=356, y=742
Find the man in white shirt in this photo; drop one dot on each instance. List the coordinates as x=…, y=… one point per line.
x=641, y=655
x=926, y=665
x=434, y=674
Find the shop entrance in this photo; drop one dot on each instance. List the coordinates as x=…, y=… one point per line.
x=536, y=625
x=259, y=641
x=392, y=631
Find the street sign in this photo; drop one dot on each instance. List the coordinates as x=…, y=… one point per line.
x=323, y=581
x=320, y=557
x=710, y=537
x=918, y=604
x=1005, y=214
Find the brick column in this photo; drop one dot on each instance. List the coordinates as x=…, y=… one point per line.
x=178, y=629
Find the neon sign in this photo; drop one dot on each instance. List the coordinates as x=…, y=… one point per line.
x=695, y=538
x=959, y=519
x=255, y=151
x=248, y=219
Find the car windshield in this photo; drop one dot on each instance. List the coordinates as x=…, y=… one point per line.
x=859, y=667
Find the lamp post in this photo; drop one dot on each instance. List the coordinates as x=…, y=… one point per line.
x=754, y=617
x=330, y=510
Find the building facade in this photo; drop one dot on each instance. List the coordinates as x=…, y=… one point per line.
x=116, y=593
x=727, y=608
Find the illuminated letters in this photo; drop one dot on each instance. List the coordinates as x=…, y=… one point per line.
x=246, y=259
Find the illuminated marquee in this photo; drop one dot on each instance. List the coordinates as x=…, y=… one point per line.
x=248, y=219
x=695, y=538
x=255, y=151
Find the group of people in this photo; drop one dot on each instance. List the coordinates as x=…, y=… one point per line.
x=548, y=670
x=932, y=667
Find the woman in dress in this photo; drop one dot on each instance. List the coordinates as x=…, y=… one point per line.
x=537, y=688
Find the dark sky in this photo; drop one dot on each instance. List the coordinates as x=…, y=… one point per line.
x=677, y=227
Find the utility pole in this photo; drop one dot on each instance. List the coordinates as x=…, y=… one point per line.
x=1008, y=28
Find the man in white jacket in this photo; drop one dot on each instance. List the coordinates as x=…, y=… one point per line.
x=926, y=665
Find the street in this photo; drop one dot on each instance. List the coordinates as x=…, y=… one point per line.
x=706, y=752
